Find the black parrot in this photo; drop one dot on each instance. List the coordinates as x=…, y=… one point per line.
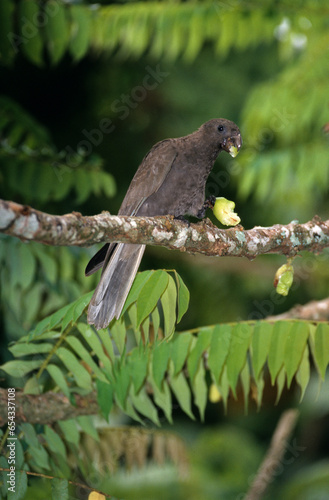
x=170, y=181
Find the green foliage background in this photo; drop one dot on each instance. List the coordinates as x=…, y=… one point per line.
x=153, y=70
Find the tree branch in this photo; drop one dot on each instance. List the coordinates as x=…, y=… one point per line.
x=46, y=408
x=273, y=456
x=27, y=223
x=315, y=310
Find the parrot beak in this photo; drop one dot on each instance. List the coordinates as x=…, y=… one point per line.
x=232, y=145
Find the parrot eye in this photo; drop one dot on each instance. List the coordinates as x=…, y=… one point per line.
x=220, y=128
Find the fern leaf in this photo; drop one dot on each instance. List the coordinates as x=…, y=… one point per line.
x=20, y=368
x=219, y=348
x=96, y=347
x=86, y=424
x=294, y=349
x=197, y=350
x=303, y=372
x=104, y=397
x=144, y=405
x=162, y=398
x=200, y=389
x=179, y=349
x=54, y=442
x=59, y=379
x=84, y=355
x=9, y=40
x=183, y=297
x=160, y=362
x=148, y=296
x=138, y=368
x=277, y=348
x=181, y=390
x=57, y=30
x=321, y=348
x=245, y=379
x=59, y=489
x=224, y=387
x=241, y=335
x=260, y=346
x=168, y=303
x=81, y=19
x=118, y=334
x=31, y=37
x=79, y=373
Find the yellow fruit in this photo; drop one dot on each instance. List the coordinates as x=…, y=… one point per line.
x=233, y=151
x=223, y=211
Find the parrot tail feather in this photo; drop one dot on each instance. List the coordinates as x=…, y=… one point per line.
x=116, y=280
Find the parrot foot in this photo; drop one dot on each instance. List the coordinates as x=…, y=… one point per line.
x=209, y=203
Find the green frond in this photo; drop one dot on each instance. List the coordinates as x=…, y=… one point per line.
x=285, y=153
x=45, y=173
x=234, y=356
x=142, y=376
x=161, y=29
x=36, y=280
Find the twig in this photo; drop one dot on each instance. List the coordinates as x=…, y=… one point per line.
x=316, y=310
x=273, y=456
x=46, y=476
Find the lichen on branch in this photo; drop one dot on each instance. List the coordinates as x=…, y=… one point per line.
x=203, y=237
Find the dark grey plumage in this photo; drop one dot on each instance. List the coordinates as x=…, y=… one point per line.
x=170, y=180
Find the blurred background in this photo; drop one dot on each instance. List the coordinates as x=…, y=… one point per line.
x=85, y=92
